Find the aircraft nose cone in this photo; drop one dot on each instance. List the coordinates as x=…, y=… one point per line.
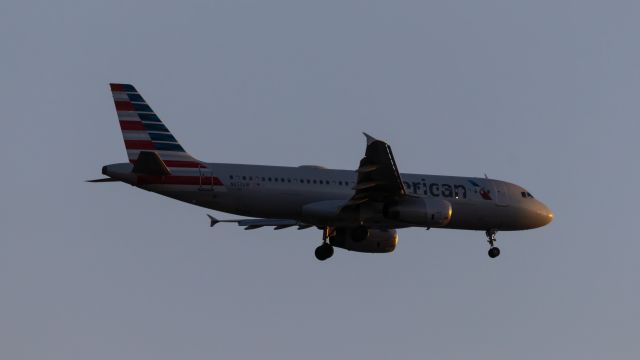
x=547, y=214
x=538, y=215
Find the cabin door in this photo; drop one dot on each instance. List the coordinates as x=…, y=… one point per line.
x=206, y=179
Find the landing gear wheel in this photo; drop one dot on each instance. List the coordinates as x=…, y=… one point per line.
x=324, y=251
x=494, y=252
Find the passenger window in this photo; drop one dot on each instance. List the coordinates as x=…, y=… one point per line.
x=269, y=179
x=315, y=181
x=244, y=178
x=231, y=177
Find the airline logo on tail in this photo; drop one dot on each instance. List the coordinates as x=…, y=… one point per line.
x=143, y=130
x=155, y=153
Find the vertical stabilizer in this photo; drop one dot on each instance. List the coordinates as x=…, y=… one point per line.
x=143, y=131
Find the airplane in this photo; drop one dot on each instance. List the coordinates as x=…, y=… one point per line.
x=357, y=210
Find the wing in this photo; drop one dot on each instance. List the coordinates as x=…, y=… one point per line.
x=250, y=224
x=378, y=175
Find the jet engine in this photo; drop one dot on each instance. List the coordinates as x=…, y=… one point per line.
x=420, y=211
x=362, y=240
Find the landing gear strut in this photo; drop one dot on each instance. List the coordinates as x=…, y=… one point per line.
x=325, y=251
x=494, y=251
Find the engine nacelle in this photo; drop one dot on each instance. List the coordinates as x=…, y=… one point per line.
x=420, y=211
x=371, y=241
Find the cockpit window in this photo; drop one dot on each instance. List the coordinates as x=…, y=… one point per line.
x=526, y=194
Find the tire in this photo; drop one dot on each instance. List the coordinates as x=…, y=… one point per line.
x=494, y=252
x=323, y=252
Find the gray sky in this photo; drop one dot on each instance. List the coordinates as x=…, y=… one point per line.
x=540, y=93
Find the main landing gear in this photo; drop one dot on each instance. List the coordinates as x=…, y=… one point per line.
x=494, y=251
x=325, y=251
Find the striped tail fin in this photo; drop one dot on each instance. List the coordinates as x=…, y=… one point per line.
x=143, y=131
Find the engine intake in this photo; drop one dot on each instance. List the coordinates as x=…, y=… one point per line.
x=420, y=211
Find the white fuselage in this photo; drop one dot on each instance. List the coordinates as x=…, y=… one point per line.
x=280, y=192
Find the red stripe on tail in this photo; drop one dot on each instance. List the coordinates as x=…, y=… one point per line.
x=131, y=125
x=124, y=106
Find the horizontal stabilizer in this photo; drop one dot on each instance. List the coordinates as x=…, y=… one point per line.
x=102, y=180
x=149, y=163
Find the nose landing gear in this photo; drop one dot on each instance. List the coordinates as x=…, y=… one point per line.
x=324, y=251
x=494, y=251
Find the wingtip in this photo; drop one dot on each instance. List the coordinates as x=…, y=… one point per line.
x=370, y=138
x=213, y=220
